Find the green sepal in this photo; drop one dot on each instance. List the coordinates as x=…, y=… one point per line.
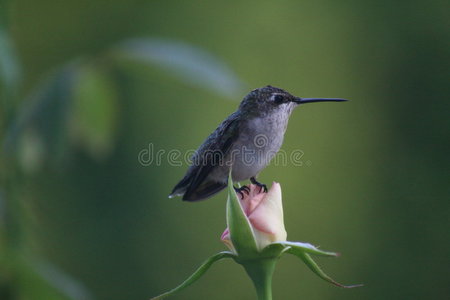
x=307, y=248
x=197, y=274
x=273, y=250
x=303, y=254
x=241, y=232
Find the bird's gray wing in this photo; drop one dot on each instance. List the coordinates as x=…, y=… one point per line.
x=209, y=156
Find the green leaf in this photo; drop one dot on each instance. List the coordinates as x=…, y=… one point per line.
x=307, y=248
x=41, y=124
x=95, y=112
x=307, y=259
x=32, y=277
x=61, y=281
x=10, y=72
x=189, y=64
x=76, y=104
x=241, y=232
x=197, y=274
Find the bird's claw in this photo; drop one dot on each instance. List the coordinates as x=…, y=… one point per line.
x=261, y=186
x=242, y=190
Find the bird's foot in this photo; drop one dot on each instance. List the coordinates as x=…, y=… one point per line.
x=242, y=190
x=262, y=186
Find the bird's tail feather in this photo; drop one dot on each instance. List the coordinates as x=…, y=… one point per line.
x=181, y=187
x=205, y=190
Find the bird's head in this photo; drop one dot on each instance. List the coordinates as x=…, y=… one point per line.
x=271, y=99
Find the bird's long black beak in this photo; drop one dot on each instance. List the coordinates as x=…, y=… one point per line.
x=311, y=100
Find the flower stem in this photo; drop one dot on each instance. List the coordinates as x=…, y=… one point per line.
x=261, y=271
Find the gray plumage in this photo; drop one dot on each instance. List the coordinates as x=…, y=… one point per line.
x=246, y=141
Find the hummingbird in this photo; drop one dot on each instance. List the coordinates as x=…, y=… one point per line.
x=245, y=141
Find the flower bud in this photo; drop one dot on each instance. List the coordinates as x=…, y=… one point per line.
x=264, y=212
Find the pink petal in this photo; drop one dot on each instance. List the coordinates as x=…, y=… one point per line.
x=268, y=215
x=225, y=235
x=251, y=200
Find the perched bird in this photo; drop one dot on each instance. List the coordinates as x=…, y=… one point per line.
x=246, y=141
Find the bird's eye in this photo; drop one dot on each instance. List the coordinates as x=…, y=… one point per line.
x=278, y=98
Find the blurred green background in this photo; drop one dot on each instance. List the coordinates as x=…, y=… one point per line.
x=86, y=86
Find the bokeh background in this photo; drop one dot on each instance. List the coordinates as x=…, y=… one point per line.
x=86, y=86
